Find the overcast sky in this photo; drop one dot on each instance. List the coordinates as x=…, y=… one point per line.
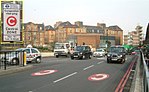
x=127, y=14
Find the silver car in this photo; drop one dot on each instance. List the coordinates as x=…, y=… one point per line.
x=99, y=53
x=11, y=57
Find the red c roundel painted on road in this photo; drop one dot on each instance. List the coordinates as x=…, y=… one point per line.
x=98, y=77
x=43, y=72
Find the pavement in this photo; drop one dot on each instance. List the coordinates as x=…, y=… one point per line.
x=19, y=68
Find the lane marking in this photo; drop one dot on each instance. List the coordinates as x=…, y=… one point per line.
x=64, y=77
x=88, y=67
x=100, y=62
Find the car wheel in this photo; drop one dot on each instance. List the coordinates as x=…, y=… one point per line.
x=72, y=58
x=108, y=61
x=57, y=56
x=90, y=56
x=123, y=60
x=38, y=60
x=15, y=61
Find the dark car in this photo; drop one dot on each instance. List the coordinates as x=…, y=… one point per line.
x=116, y=54
x=81, y=52
x=147, y=53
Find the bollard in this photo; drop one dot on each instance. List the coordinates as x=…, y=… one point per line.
x=5, y=61
x=24, y=58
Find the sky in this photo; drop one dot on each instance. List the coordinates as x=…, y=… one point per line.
x=127, y=14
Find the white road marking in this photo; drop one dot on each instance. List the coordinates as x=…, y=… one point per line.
x=64, y=77
x=101, y=58
x=100, y=62
x=88, y=67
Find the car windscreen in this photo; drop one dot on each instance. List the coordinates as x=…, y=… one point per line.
x=61, y=46
x=99, y=50
x=116, y=49
x=79, y=48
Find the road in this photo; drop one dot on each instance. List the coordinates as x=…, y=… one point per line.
x=66, y=75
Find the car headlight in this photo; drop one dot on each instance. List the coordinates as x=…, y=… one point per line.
x=121, y=56
x=81, y=53
x=108, y=55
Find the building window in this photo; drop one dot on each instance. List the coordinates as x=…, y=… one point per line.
x=40, y=28
x=77, y=30
x=93, y=31
x=97, y=31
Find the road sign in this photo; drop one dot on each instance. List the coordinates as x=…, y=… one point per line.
x=98, y=77
x=43, y=72
x=11, y=21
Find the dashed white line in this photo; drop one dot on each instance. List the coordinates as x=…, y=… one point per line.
x=88, y=67
x=64, y=77
x=100, y=62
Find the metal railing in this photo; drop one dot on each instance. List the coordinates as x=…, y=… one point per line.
x=145, y=73
x=11, y=58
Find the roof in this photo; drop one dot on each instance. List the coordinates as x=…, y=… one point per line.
x=63, y=24
x=40, y=26
x=49, y=27
x=115, y=28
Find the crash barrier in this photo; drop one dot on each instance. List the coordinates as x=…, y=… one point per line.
x=141, y=76
x=12, y=58
x=145, y=73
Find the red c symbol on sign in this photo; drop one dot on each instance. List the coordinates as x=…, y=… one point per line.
x=11, y=21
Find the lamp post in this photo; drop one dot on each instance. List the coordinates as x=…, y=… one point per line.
x=107, y=38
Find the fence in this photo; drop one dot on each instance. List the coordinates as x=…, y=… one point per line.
x=11, y=58
x=145, y=73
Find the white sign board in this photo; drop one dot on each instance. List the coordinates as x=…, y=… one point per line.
x=11, y=22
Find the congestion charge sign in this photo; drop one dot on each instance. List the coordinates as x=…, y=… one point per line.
x=11, y=22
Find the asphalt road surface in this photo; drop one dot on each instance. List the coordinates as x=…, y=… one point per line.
x=66, y=75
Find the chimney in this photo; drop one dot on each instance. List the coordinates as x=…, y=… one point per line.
x=79, y=23
x=102, y=25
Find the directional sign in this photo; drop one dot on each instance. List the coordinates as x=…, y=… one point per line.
x=11, y=22
x=98, y=77
x=43, y=72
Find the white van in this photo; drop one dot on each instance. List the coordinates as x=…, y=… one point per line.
x=61, y=49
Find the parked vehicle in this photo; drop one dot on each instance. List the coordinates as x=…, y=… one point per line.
x=116, y=54
x=135, y=52
x=81, y=52
x=11, y=57
x=99, y=53
x=61, y=49
x=32, y=54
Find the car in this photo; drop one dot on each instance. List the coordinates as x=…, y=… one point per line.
x=81, y=52
x=99, y=53
x=116, y=54
x=135, y=52
x=11, y=57
x=61, y=49
x=147, y=53
x=32, y=54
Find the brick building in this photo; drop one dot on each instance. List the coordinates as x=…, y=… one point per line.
x=49, y=35
x=89, y=39
x=66, y=32
x=117, y=32
x=134, y=38
x=33, y=34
